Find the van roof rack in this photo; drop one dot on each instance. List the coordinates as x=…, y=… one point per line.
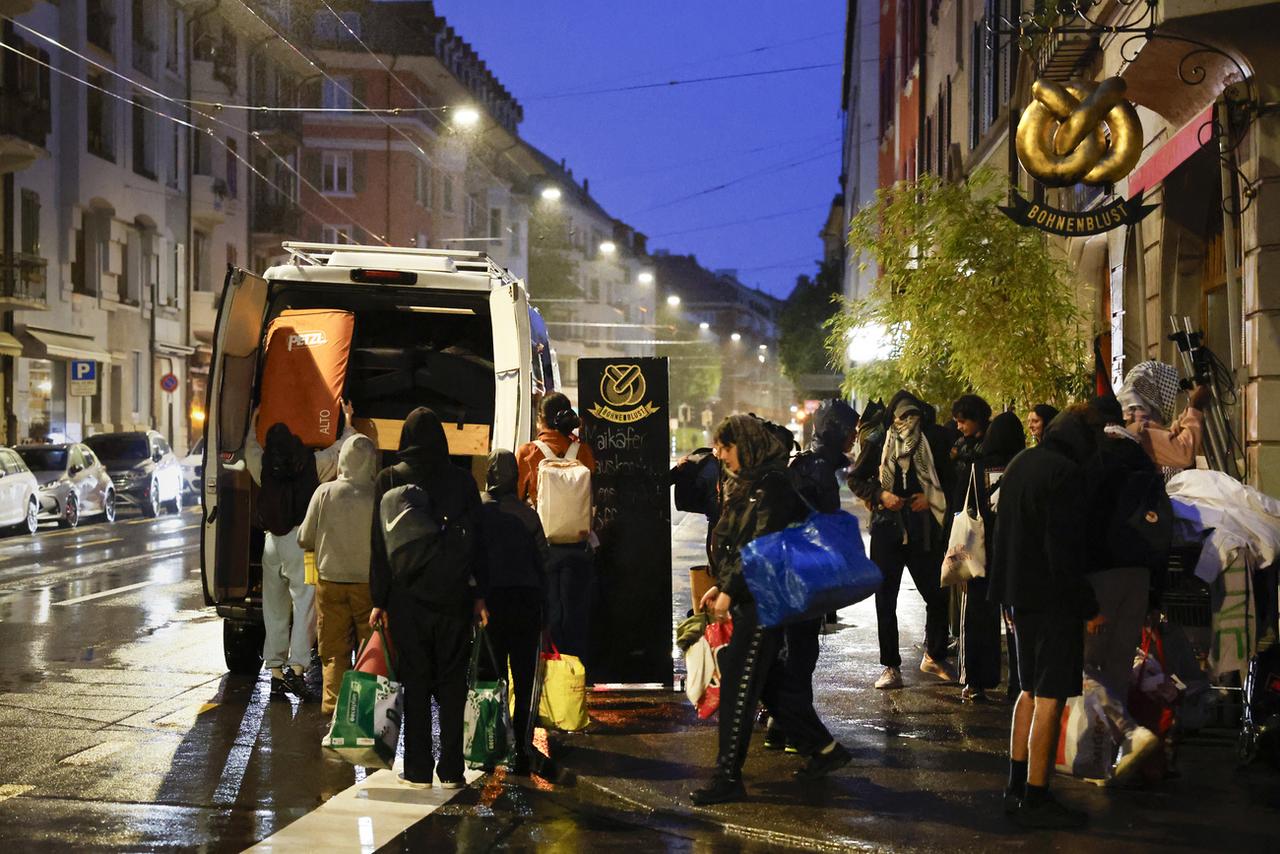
x=318, y=254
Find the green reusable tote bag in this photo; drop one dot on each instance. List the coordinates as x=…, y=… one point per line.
x=487, y=739
x=366, y=722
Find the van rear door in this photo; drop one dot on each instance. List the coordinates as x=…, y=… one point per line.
x=224, y=539
x=512, y=418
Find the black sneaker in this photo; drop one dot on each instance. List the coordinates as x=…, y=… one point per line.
x=822, y=764
x=1048, y=815
x=279, y=692
x=721, y=790
x=519, y=766
x=296, y=685
x=775, y=738
x=1011, y=802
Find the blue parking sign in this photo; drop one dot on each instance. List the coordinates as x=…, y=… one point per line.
x=84, y=369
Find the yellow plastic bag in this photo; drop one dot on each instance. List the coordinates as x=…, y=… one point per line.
x=310, y=574
x=564, y=692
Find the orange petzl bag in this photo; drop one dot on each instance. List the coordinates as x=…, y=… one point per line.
x=305, y=370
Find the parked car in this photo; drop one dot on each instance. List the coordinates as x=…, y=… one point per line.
x=143, y=468
x=73, y=483
x=192, y=471
x=19, y=494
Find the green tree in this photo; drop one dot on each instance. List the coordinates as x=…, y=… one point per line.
x=812, y=303
x=968, y=300
x=553, y=265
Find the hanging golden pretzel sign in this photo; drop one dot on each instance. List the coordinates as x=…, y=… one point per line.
x=1079, y=132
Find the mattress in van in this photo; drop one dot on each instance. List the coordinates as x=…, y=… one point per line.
x=304, y=374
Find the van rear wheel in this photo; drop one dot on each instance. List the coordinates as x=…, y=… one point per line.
x=242, y=646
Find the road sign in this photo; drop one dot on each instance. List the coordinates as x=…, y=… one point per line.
x=169, y=383
x=84, y=378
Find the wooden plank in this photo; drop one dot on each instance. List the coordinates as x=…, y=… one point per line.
x=469, y=440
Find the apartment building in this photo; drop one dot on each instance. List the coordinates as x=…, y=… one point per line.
x=954, y=77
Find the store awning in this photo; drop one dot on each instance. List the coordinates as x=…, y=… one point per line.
x=47, y=344
x=9, y=346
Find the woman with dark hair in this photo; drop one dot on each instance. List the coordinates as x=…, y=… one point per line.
x=569, y=565
x=1038, y=420
x=758, y=499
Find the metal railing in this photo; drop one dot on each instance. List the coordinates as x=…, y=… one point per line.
x=23, y=278
x=25, y=115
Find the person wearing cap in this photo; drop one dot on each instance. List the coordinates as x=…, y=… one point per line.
x=907, y=484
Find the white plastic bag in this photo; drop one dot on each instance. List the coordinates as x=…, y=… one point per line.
x=966, y=556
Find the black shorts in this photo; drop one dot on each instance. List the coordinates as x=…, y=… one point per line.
x=1050, y=652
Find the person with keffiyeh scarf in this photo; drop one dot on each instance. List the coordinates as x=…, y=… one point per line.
x=1147, y=399
x=906, y=481
x=758, y=498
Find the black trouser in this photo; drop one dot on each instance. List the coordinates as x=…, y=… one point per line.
x=744, y=674
x=979, y=638
x=925, y=565
x=790, y=680
x=433, y=650
x=570, y=588
x=515, y=623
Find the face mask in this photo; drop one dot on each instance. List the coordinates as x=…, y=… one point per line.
x=905, y=423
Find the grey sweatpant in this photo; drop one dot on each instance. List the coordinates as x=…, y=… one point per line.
x=288, y=604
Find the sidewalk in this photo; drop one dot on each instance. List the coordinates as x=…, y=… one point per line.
x=927, y=773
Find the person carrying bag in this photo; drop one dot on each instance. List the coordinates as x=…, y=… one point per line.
x=366, y=721
x=966, y=556
x=487, y=739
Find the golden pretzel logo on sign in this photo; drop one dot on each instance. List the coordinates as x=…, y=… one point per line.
x=1079, y=132
x=622, y=385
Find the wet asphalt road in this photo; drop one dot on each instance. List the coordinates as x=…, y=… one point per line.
x=120, y=729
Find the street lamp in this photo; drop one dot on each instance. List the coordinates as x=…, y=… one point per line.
x=673, y=300
x=608, y=247
x=868, y=343
x=764, y=346
x=645, y=278
x=466, y=117
x=735, y=337
x=550, y=194
x=704, y=326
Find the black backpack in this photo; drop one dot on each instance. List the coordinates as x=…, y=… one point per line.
x=691, y=478
x=429, y=553
x=284, y=495
x=1140, y=530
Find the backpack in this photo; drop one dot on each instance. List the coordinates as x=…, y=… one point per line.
x=1140, y=530
x=690, y=479
x=430, y=555
x=814, y=479
x=283, y=497
x=564, y=495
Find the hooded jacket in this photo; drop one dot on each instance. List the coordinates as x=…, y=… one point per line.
x=515, y=547
x=814, y=471
x=332, y=526
x=281, y=472
x=758, y=500
x=1040, y=558
x=424, y=462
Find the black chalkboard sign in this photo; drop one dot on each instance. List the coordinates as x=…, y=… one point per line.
x=626, y=423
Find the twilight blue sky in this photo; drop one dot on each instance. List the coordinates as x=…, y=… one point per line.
x=643, y=150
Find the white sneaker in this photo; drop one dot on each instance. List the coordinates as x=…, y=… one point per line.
x=891, y=678
x=452, y=784
x=412, y=784
x=1136, y=747
x=941, y=669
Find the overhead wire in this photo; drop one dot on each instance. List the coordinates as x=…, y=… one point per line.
x=769, y=170
x=667, y=84
x=213, y=119
x=761, y=218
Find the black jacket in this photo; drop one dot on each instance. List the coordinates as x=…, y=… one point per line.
x=515, y=548
x=1040, y=556
x=1123, y=483
x=424, y=461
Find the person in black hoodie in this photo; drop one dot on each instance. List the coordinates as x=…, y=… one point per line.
x=758, y=499
x=432, y=638
x=1039, y=568
x=515, y=551
x=906, y=480
x=1001, y=440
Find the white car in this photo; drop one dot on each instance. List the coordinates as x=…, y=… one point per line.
x=19, y=494
x=192, y=471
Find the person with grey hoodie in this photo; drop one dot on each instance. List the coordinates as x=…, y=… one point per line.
x=336, y=528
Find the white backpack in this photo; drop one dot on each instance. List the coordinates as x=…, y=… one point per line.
x=564, y=495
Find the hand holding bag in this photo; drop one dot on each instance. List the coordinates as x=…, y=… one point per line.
x=366, y=722
x=487, y=739
x=966, y=556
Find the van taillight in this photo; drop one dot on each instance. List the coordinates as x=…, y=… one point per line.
x=384, y=277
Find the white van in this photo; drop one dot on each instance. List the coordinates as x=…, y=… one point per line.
x=450, y=330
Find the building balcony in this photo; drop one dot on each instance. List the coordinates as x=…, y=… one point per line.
x=210, y=202
x=275, y=217
x=276, y=127
x=24, y=129
x=22, y=282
